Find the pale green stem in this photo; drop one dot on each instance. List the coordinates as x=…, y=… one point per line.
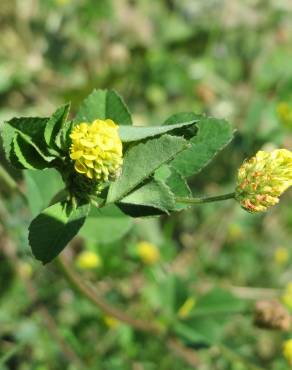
x=201, y=200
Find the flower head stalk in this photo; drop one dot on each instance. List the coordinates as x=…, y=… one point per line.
x=97, y=149
x=263, y=178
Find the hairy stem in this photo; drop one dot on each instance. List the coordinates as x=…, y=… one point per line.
x=200, y=200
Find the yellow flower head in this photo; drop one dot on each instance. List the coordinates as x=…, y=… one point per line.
x=281, y=255
x=148, y=252
x=97, y=149
x=287, y=350
x=88, y=260
x=263, y=178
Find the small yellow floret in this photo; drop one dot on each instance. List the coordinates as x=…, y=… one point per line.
x=186, y=308
x=287, y=350
x=281, y=255
x=88, y=260
x=111, y=322
x=97, y=149
x=148, y=252
x=263, y=178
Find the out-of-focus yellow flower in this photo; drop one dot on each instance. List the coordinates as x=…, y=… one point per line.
x=148, y=252
x=287, y=350
x=88, y=260
x=235, y=232
x=97, y=149
x=263, y=178
x=287, y=296
x=281, y=255
x=111, y=322
x=284, y=111
x=25, y=270
x=62, y=2
x=186, y=308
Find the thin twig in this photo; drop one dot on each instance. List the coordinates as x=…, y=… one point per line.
x=88, y=291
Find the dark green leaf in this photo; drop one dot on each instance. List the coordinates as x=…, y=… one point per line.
x=54, y=125
x=213, y=136
x=27, y=155
x=142, y=160
x=103, y=104
x=52, y=230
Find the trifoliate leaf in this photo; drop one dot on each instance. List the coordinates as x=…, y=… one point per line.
x=54, y=126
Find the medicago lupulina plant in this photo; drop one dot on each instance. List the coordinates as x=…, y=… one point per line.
x=105, y=161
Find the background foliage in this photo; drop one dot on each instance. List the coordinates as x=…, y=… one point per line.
x=230, y=59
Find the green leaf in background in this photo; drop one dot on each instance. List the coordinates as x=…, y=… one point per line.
x=218, y=301
x=52, y=230
x=142, y=160
x=103, y=104
x=152, y=194
x=41, y=186
x=54, y=126
x=105, y=225
x=175, y=182
x=201, y=331
x=213, y=135
x=136, y=133
x=27, y=154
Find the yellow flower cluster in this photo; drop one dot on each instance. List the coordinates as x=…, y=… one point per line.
x=284, y=111
x=263, y=178
x=287, y=350
x=88, y=260
x=97, y=149
x=148, y=252
x=287, y=296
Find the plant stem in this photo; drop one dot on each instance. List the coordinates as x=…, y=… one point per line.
x=88, y=292
x=188, y=355
x=200, y=200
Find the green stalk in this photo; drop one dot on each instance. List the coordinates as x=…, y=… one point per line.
x=201, y=200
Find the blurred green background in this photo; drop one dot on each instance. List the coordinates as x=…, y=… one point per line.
x=226, y=58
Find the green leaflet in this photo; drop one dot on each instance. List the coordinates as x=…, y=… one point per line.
x=52, y=230
x=213, y=135
x=103, y=104
x=142, y=160
x=55, y=125
x=153, y=194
